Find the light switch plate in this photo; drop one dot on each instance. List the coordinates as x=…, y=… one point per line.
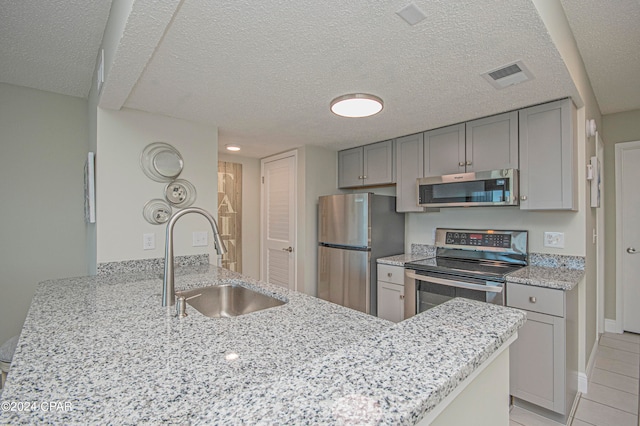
x=554, y=239
x=200, y=239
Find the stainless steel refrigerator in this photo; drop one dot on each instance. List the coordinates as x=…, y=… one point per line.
x=354, y=230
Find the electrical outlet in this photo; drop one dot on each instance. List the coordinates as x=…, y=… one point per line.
x=148, y=241
x=200, y=239
x=554, y=239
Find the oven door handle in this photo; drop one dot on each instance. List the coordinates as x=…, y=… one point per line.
x=460, y=284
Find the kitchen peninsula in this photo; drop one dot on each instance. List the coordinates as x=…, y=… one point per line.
x=104, y=349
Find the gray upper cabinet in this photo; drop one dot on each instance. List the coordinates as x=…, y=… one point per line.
x=548, y=157
x=409, y=167
x=350, y=166
x=367, y=165
x=492, y=143
x=485, y=144
x=444, y=151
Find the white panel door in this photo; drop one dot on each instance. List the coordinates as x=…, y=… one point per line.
x=628, y=231
x=278, y=220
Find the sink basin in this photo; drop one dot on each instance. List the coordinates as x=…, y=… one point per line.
x=228, y=300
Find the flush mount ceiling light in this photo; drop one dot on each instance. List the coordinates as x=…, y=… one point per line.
x=356, y=105
x=234, y=148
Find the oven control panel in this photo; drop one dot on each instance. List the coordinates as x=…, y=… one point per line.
x=479, y=239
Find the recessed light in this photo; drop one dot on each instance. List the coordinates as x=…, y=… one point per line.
x=233, y=148
x=356, y=105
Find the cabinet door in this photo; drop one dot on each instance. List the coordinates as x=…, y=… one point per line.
x=350, y=167
x=492, y=143
x=444, y=151
x=409, y=167
x=379, y=166
x=390, y=301
x=547, y=157
x=537, y=362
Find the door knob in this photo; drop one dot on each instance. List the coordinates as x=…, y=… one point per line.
x=631, y=250
x=289, y=249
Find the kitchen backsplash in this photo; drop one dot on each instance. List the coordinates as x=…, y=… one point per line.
x=132, y=266
x=556, y=261
x=535, y=259
x=423, y=249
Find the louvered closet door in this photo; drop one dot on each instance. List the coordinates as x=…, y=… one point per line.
x=278, y=254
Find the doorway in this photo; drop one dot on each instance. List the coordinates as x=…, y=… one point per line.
x=278, y=230
x=628, y=235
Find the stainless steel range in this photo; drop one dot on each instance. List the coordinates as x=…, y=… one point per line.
x=469, y=263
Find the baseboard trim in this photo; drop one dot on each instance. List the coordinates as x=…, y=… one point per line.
x=611, y=326
x=583, y=378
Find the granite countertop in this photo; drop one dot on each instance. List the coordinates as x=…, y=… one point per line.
x=552, y=271
x=401, y=259
x=543, y=276
x=104, y=350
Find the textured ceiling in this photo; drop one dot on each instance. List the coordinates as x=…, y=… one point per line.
x=608, y=37
x=265, y=72
x=51, y=45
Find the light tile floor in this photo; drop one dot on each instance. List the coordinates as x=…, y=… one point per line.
x=612, y=397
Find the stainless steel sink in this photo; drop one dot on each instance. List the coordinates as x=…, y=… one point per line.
x=228, y=300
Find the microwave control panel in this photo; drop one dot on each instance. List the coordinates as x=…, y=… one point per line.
x=478, y=239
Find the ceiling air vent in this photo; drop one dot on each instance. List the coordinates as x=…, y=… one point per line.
x=508, y=75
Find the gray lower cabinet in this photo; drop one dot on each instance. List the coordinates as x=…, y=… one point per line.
x=548, y=167
x=544, y=358
x=391, y=292
x=409, y=167
x=367, y=165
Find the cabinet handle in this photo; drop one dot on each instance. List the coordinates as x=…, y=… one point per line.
x=523, y=197
x=468, y=163
x=364, y=177
x=402, y=297
x=461, y=163
x=532, y=299
x=389, y=274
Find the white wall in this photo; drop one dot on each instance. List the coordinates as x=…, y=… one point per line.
x=250, y=212
x=555, y=20
x=122, y=189
x=419, y=226
x=317, y=175
x=44, y=140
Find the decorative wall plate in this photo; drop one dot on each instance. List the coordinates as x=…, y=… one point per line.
x=161, y=162
x=156, y=211
x=180, y=193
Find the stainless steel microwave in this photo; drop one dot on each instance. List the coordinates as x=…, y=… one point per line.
x=489, y=188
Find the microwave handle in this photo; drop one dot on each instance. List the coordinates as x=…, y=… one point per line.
x=452, y=283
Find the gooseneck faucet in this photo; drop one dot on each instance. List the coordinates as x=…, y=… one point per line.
x=168, y=287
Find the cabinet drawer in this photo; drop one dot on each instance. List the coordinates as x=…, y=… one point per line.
x=537, y=299
x=391, y=274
